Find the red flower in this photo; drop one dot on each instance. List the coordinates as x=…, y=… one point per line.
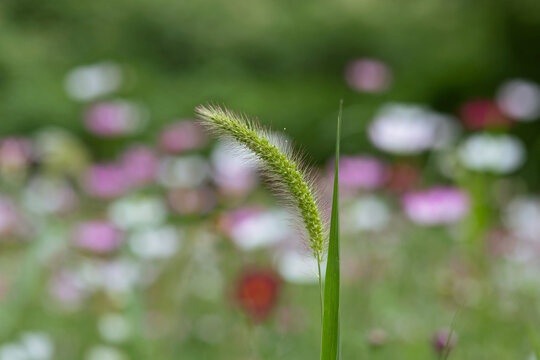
x=257, y=292
x=481, y=114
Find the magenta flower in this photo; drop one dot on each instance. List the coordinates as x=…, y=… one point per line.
x=106, y=181
x=436, y=206
x=115, y=118
x=360, y=172
x=182, y=136
x=140, y=165
x=97, y=236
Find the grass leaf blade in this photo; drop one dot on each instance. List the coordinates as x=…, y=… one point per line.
x=330, y=328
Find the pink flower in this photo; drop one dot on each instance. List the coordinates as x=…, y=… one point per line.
x=481, y=114
x=182, y=136
x=15, y=153
x=442, y=205
x=97, y=236
x=67, y=288
x=443, y=341
x=115, y=118
x=360, y=172
x=106, y=181
x=368, y=75
x=140, y=165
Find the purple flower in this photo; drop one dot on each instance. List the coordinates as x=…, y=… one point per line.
x=115, y=118
x=441, y=205
x=360, y=172
x=443, y=341
x=368, y=75
x=182, y=136
x=97, y=236
x=106, y=181
x=140, y=165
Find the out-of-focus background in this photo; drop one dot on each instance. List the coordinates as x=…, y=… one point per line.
x=127, y=233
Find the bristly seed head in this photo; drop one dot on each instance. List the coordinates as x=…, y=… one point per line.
x=281, y=166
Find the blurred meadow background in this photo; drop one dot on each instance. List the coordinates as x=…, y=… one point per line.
x=127, y=233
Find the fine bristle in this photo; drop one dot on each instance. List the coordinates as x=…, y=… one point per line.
x=283, y=167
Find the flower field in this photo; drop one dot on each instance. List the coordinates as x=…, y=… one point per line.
x=129, y=232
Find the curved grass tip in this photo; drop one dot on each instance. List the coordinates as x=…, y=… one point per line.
x=280, y=165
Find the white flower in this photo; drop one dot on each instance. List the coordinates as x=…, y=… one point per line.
x=13, y=352
x=46, y=195
x=234, y=169
x=501, y=154
x=32, y=346
x=520, y=99
x=137, y=211
x=366, y=213
x=522, y=217
x=299, y=268
x=259, y=229
x=155, y=242
x=89, y=82
x=38, y=345
x=410, y=129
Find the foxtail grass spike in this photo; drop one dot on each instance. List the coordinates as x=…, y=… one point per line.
x=279, y=162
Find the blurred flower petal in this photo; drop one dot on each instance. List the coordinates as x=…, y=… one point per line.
x=97, y=236
x=115, y=118
x=520, y=99
x=410, y=129
x=368, y=75
x=501, y=154
x=436, y=206
x=182, y=136
x=91, y=81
